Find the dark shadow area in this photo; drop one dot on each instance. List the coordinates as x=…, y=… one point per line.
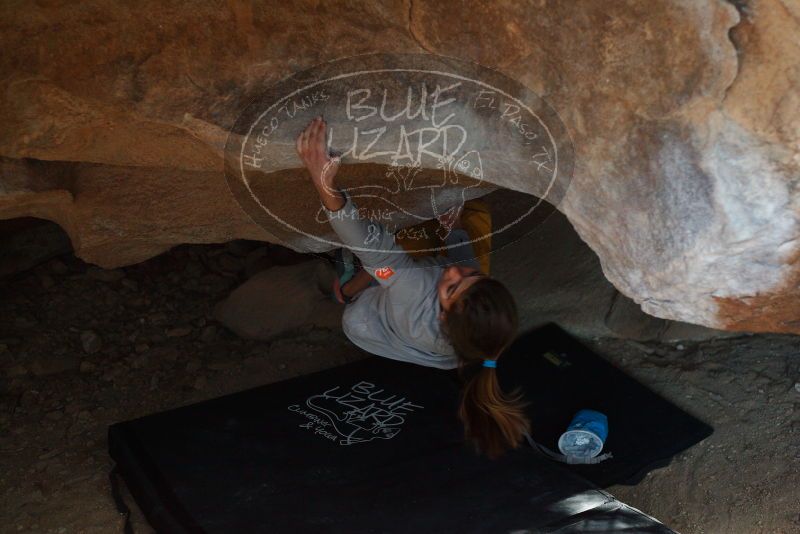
x=27, y=241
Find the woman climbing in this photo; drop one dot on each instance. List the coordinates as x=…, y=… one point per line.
x=423, y=311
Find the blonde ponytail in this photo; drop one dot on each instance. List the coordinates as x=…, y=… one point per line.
x=480, y=326
x=493, y=422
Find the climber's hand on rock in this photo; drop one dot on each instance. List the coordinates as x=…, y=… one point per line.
x=313, y=152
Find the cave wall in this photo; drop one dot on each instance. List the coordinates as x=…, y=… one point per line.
x=684, y=117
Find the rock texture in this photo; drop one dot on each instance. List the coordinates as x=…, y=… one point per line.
x=684, y=116
x=281, y=299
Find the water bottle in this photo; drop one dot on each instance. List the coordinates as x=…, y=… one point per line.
x=585, y=435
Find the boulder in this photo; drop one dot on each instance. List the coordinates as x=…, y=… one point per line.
x=280, y=299
x=684, y=117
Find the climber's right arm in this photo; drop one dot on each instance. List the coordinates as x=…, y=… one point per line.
x=380, y=255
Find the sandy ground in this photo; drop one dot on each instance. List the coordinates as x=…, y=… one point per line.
x=82, y=348
x=746, y=476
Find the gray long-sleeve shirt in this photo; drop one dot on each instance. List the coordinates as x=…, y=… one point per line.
x=398, y=319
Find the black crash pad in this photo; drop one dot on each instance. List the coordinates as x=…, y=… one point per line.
x=371, y=446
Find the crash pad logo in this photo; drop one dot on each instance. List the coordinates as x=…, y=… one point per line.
x=357, y=414
x=418, y=135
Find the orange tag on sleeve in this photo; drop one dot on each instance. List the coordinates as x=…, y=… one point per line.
x=384, y=273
